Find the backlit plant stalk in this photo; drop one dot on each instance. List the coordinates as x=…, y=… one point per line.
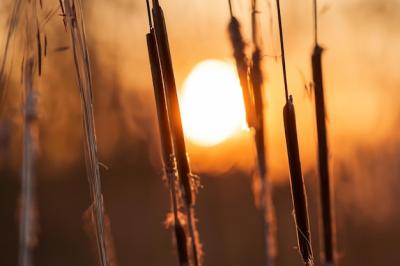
x=27, y=237
x=73, y=18
x=13, y=23
x=166, y=143
x=296, y=177
x=323, y=153
x=263, y=189
x=28, y=209
x=242, y=66
x=188, y=182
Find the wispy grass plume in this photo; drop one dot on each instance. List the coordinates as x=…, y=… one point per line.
x=323, y=152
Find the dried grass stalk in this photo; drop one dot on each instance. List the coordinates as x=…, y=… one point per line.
x=75, y=23
x=28, y=227
x=264, y=192
x=28, y=218
x=12, y=26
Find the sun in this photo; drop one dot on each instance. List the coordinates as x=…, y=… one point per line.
x=211, y=102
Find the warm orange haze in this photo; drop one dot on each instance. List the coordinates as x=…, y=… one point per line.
x=164, y=136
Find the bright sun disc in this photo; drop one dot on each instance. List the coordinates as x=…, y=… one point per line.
x=212, y=105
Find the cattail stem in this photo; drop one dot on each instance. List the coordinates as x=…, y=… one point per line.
x=166, y=143
x=242, y=67
x=265, y=199
x=188, y=185
x=27, y=219
x=296, y=177
x=282, y=50
x=323, y=160
x=297, y=183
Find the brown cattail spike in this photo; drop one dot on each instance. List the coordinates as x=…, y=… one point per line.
x=166, y=143
x=173, y=103
x=242, y=66
x=323, y=152
x=264, y=191
x=297, y=183
x=296, y=176
x=187, y=182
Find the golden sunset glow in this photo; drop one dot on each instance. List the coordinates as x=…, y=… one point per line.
x=212, y=105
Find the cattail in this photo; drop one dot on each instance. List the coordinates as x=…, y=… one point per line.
x=323, y=160
x=187, y=180
x=264, y=191
x=242, y=66
x=296, y=177
x=297, y=184
x=166, y=141
x=75, y=24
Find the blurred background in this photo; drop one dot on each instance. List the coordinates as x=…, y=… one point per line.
x=360, y=62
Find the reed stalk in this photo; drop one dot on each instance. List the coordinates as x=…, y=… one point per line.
x=166, y=142
x=28, y=212
x=28, y=221
x=187, y=180
x=12, y=26
x=74, y=20
x=264, y=192
x=242, y=66
x=299, y=196
x=323, y=152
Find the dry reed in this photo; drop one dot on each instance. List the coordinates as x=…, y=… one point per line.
x=73, y=19
x=166, y=142
x=264, y=191
x=323, y=159
x=28, y=210
x=4, y=73
x=296, y=177
x=28, y=221
x=188, y=182
x=242, y=66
